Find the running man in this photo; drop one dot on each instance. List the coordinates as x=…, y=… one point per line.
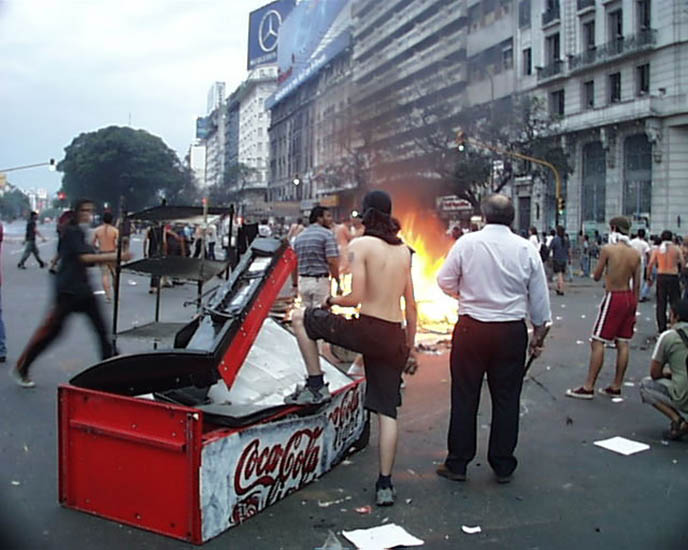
x=616, y=318
x=381, y=276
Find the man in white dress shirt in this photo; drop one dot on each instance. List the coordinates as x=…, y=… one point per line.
x=500, y=282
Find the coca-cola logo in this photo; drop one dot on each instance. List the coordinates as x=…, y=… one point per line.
x=343, y=417
x=246, y=508
x=280, y=468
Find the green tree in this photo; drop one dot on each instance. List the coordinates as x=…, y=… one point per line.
x=116, y=162
x=14, y=204
x=234, y=178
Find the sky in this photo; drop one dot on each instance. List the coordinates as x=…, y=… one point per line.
x=73, y=66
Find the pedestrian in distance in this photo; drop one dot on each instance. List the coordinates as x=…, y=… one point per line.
x=668, y=259
x=380, y=266
x=643, y=248
x=105, y=238
x=620, y=263
x=3, y=336
x=73, y=293
x=318, y=258
x=30, y=242
x=500, y=282
x=561, y=257
x=668, y=391
x=585, y=251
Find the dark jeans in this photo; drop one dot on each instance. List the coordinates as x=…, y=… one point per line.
x=30, y=248
x=52, y=326
x=211, y=251
x=668, y=292
x=498, y=349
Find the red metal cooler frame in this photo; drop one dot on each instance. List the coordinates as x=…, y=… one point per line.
x=149, y=464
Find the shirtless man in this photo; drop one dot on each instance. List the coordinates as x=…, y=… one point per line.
x=668, y=259
x=381, y=275
x=105, y=241
x=616, y=318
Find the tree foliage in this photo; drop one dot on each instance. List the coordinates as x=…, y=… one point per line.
x=14, y=204
x=235, y=177
x=116, y=162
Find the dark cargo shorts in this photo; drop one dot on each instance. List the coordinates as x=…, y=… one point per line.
x=384, y=349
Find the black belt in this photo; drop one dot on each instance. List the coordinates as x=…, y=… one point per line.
x=316, y=276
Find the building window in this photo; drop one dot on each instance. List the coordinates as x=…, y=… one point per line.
x=589, y=35
x=556, y=103
x=637, y=187
x=524, y=14
x=593, y=196
x=589, y=94
x=615, y=25
x=552, y=49
x=643, y=15
x=527, y=61
x=508, y=58
x=643, y=79
x=615, y=87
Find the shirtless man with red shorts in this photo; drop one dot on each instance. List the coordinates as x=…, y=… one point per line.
x=616, y=318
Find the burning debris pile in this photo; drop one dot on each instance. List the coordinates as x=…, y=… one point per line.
x=437, y=312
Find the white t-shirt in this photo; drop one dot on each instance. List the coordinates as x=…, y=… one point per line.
x=641, y=246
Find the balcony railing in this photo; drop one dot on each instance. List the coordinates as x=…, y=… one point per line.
x=552, y=14
x=621, y=46
x=582, y=4
x=553, y=69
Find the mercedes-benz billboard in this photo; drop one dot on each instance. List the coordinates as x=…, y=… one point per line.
x=263, y=29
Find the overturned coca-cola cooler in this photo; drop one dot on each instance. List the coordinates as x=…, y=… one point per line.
x=193, y=440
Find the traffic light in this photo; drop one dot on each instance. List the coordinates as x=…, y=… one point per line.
x=561, y=204
x=52, y=166
x=61, y=195
x=460, y=140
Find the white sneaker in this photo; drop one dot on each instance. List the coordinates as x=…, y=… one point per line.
x=24, y=382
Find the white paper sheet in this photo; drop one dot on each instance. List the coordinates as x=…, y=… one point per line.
x=622, y=445
x=382, y=537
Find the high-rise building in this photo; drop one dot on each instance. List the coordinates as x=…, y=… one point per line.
x=216, y=96
x=310, y=108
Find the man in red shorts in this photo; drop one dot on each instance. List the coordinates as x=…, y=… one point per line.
x=616, y=318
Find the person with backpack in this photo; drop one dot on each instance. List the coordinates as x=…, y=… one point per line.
x=667, y=390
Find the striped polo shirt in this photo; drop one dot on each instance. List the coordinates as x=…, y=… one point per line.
x=313, y=247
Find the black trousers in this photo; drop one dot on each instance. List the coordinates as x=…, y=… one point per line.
x=498, y=349
x=51, y=327
x=668, y=292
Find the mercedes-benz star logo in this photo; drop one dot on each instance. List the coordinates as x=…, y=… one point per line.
x=267, y=32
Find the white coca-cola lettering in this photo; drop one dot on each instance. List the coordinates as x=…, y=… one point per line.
x=273, y=467
x=343, y=417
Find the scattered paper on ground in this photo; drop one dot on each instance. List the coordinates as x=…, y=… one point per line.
x=617, y=399
x=629, y=384
x=622, y=445
x=579, y=342
x=471, y=530
x=383, y=536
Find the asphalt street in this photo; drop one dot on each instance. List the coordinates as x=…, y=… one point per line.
x=567, y=493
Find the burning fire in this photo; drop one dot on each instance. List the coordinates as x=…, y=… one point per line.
x=437, y=312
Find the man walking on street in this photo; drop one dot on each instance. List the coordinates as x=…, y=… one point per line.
x=30, y=242
x=105, y=239
x=74, y=293
x=500, y=281
x=643, y=248
x=3, y=336
x=318, y=258
x=616, y=317
x=561, y=256
x=381, y=275
x=669, y=260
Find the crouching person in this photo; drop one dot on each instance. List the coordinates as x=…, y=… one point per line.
x=380, y=267
x=667, y=390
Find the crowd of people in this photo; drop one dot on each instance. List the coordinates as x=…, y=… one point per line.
x=501, y=280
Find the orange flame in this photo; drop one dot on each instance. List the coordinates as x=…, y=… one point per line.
x=437, y=312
